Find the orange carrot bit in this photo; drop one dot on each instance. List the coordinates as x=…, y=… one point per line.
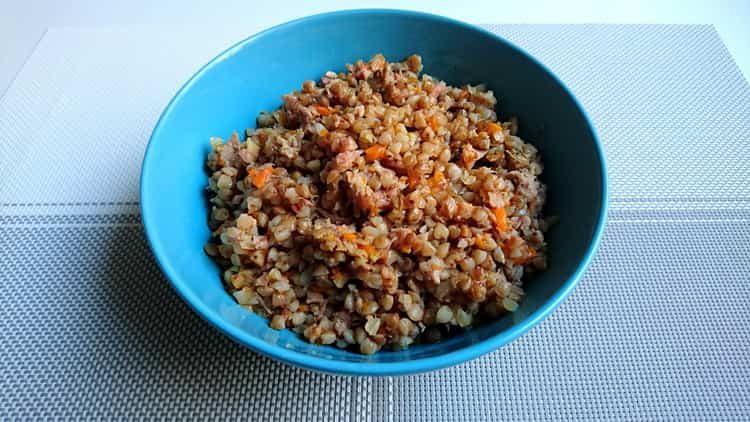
x=437, y=179
x=349, y=236
x=369, y=250
x=259, y=177
x=501, y=219
x=375, y=152
x=493, y=128
x=434, y=122
x=323, y=110
x=324, y=132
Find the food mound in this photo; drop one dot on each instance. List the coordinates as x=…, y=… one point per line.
x=377, y=208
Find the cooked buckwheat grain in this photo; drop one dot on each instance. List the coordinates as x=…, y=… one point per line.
x=375, y=204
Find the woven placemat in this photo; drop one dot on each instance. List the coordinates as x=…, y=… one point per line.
x=658, y=328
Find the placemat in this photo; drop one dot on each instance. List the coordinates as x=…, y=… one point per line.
x=658, y=328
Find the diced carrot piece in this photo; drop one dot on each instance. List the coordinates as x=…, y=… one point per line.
x=375, y=152
x=324, y=132
x=501, y=219
x=480, y=241
x=323, y=110
x=413, y=179
x=349, y=236
x=493, y=128
x=437, y=179
x=259, y=177
x=434, y=123
x=369, y=250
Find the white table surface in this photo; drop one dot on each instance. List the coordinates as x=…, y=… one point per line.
x=22, y=23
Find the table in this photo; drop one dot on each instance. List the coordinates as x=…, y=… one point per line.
x=657, y=329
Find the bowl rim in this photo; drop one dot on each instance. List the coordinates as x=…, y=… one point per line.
x=341, y=367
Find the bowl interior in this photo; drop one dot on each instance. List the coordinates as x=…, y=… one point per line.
x=227, y=95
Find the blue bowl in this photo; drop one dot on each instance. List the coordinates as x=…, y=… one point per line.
x=228, y=93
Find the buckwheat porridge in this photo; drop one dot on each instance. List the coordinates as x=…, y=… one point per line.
x=377, y=208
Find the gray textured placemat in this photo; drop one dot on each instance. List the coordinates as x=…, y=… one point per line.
x=657, y=329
